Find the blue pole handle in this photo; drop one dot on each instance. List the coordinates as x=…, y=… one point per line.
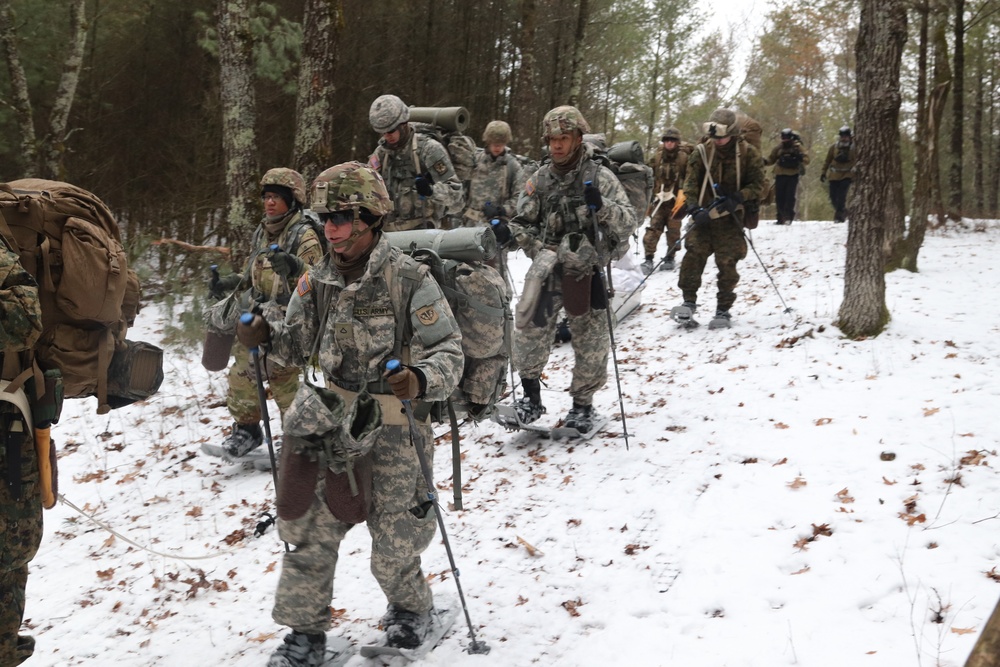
x=274, y=247
x=393, y=366
x=246, y=318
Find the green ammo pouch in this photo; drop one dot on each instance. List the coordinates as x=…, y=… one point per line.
x=46, y=410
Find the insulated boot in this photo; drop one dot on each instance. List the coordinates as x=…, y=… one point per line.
x=647, y=266
x=580, y=417
x=243, y=439
x=405, y=629
x=300, y=650
x=668, y=263
x=722, y=320
x=529, y=407
x=563, y=334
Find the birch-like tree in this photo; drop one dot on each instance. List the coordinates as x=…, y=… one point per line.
x=321, y=25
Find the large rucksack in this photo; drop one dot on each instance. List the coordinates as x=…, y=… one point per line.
x=625, y=160
x=461, y=149
x=752, y=132
x=70, y=242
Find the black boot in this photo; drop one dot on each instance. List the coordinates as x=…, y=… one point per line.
x=300, y=650
x=243, y=439
x=529, y=407
x=405, y=629
x=580, y=417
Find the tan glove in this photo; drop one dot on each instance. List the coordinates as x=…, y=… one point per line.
x=253, y=334
x=405, y=384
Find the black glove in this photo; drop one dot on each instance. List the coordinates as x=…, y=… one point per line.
x=220, y=287
x=424, y=185
x=699, y=215
x=592, y=196
x=253, y=334
x=284, y=264
x=502, y=231
x=822, y=178
x=492, y=211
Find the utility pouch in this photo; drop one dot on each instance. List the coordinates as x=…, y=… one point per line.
x=15, y=420
x=47, y=409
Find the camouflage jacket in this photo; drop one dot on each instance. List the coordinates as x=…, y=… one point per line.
x=788, y=159
x=20, y=309
x=670, y=168
x=723, y=161
x=494, y=179
x=400, y=166
x=359, y=336
x=264, y=280
x=840, y=161
x=552, y=206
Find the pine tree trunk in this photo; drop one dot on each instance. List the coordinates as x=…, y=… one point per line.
x=322, y=22
x=881, y=37
x=958, y=114
x=239, y=117
x=579, y=42
x=525, y=100
x=986, y=652
x=19, y=92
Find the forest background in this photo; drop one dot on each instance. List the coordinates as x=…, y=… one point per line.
x=170, y=110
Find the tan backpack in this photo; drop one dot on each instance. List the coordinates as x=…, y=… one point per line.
x=69, y=241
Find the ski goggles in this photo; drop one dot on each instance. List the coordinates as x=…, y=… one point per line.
x=715, y=130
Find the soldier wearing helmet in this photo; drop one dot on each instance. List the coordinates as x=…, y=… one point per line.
x=669, y=170
x=497, y=180
x=722, y=192
x=283, y=246
x=839, y=170
x=417, y=171
x=789, y=158
x=572, y=218
x=344, y=314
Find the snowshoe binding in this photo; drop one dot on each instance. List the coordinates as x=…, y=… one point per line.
x=300, y=650
x=647, y=267
x=580, y=417
x=684, y=314
x=239, y=445
x=668, y=263
x=722, y=320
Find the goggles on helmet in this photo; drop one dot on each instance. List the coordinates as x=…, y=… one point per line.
x=715, y=130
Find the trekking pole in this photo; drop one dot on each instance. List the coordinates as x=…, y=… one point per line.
x=247, y=318
x=598, y=238
x=477, y=647
x=767, y=273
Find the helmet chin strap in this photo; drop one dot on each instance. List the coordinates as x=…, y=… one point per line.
x=356, y=232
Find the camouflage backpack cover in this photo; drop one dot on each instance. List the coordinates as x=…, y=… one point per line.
x=625, y=160
x=70, y=242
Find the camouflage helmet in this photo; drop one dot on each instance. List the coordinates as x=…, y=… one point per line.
x=671, y=133
x=722, y=123
x=288, y=178
x=387, y=113
x=845, y=131
x=497, y=132
x=563, y=120
x=350, y=186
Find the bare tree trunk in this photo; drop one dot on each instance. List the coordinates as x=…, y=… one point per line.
x=986, y=652
x=978, y=166
x=54, y=147
x=942, y=81
x=19, y=92
x=654, y=91
x=579, y=39
x=239, y=118
x=525, y=99
x=920, y=204
x=881, y=37
x=322, y=22
x=957, y=115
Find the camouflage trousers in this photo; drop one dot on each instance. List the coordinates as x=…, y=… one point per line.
x=723, y=237
x=401, y=528
x=243, y=401
x=533, y=344
x=663, y=218
x=20, y=535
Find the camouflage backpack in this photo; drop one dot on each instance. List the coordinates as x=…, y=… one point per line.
x=751, y=131
x=70, y=242
x=625, y=160
x=460, y=147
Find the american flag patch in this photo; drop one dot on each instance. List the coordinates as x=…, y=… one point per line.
x=304, y=286
x=373, y=162
x=529, y=187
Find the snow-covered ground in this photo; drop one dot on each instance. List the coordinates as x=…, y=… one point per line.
x=753, y=519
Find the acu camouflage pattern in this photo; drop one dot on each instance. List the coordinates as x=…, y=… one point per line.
x=563, y=120
x=497, y=132
x=387, y=112
x=669, y=170
x=498, y=180
x=242, y=399
x=722, y=236
x=288, y=178
x=20, y=518
x=399, y=167
x=551, y=208
x=357, y=340
x=349, y=186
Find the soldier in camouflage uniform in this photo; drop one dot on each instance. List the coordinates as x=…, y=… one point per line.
x=416, y=169
x=839, y=170
x=555, y=226
x=669, y=170
x=20, y=493
x=497, y=178
x=789, y=158
x=272, y=277
x=736, y=173
x=345, y=311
